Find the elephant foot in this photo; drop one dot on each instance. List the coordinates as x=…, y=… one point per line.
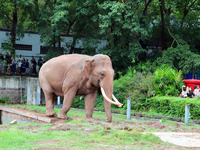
x=50, y=113
x=108, y=120
x=89, y=119
x=62, y=116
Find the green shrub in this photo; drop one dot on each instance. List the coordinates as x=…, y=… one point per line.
x=167, y=81
x=181, y=57
x=174, y=106
x=137, y=86
x=5, y=100
x=78, y=102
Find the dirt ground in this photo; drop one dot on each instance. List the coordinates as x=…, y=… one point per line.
x=178, y=134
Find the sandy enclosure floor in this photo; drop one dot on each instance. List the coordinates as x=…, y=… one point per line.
x=180, y=138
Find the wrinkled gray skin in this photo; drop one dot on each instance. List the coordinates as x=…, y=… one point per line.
x=74, y=74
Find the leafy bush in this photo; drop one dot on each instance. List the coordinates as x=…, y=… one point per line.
x=5, y=100
x=140, y=86
x=137, y=86
x=181, y=58
x=78, y=102
x=167, y=81
x=53, y=53
x=174, y=106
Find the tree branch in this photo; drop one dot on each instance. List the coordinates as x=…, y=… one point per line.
x=146, y=6
x=191, y=5
x=174, y=39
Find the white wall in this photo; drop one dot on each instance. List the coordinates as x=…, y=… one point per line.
x=28, y=39
x=34, y=40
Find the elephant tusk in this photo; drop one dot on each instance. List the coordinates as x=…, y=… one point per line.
x=106, y=98
x=115, y=98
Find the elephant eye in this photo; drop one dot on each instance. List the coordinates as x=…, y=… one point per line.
x=102, y=74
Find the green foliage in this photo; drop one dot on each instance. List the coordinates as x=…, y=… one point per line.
x=120, y=25
x=99, y=104
x=181, y=58
x=7, y=47
x=4, y=100
x=167, y=81
x=78, y=102
x=127, y=26
x=174, y=106
x=53, y=53
x=137, y=86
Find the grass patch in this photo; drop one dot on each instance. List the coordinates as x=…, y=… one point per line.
x=84, y=134
x=22, y=139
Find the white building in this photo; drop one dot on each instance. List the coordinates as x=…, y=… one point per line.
x=30, y=45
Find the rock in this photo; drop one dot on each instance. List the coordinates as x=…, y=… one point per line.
x=140, y=129
x=126, y=128
x=60, y=122
x=107, y=128
x=13, y=122
x=130, y=129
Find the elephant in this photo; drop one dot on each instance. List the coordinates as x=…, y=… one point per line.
x=76, y=74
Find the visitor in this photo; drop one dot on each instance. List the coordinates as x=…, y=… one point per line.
x=27, y=70
x=1, y=57
x=1, y=62
x=5, y=66
x=8, y=58
x=184, y=92
x=13, y=67
x=23, y=66
x=19, y=58
x=190, y=93
x=34, y=65
x=19, y=65
x=40, y=61
x=196, y=91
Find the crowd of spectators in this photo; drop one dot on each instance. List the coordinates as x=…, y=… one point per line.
x=18, y=65
x=188, y=92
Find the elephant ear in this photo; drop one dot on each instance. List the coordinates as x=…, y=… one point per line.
x=87, y=67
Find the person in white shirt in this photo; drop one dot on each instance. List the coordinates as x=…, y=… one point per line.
x=184, y=92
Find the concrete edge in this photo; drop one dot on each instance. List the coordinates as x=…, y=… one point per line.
x=26, y=114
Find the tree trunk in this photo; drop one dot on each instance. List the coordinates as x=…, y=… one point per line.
x=162, y=36
x=13, y=30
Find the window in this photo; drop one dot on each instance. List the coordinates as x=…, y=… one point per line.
x=77, y=50
x=23, y=47
x=17, y=46
x=44, y=49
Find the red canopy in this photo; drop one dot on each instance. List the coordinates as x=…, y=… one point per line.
x=192, y=82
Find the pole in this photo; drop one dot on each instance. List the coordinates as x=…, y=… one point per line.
x=58, y=100
x=128, y=108
x=38, y=94
x=187, y=113
x=20, y=79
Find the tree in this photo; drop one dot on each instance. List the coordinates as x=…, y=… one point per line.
x=12, y=16
x=123, y=25
x=77, y=18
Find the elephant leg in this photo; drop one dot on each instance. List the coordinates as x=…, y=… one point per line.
x=89, y=104
x=68, y=100
x=50, y=99
x=107, y=107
